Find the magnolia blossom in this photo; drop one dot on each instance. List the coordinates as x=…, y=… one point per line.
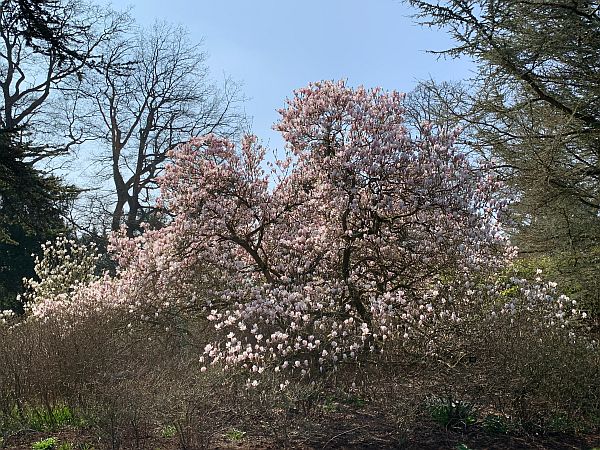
x=360, y=235
x=64, y=267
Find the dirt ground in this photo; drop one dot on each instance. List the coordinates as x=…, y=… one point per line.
x=361, y=431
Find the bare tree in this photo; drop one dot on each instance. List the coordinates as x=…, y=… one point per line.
x=441, y=105
x=36, y=64
x=164, y=97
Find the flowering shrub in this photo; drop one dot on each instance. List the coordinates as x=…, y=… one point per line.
x=360, y=235
x=537, y=298
x=6, y=316
x=65, y=266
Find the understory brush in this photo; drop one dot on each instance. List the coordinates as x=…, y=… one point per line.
x=502, y=377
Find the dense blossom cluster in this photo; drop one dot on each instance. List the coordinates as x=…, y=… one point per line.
x=538, y=299
x=64, y=268
x=361, y=234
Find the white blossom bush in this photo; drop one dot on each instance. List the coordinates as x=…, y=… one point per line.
x=495, y=302
x=7, y=317
x=359, y=236
x=539, y=299
x=64, y=267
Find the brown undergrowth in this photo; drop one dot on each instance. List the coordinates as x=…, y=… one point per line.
x=99, y=386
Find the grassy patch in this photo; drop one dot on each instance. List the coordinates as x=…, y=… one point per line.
x=168, y=431
x=41, y=418
x=50, y=443
x=235, y=435
x=496, y=424
x=452, y=414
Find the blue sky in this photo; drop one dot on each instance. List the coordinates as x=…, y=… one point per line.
x=275, y=46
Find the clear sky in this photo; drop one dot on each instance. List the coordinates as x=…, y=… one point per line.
x=275, y=46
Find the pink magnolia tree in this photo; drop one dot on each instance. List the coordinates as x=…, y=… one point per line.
x=360, y=235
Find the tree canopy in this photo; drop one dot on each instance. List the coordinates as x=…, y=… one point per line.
x=536, y=109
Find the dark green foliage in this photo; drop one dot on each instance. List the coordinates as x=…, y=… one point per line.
x=30, y=200
x=536, y=110
x=58, y=29
x=31, y=204
x=452, y=414
x=42, y=25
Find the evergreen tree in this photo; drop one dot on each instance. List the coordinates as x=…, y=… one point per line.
x=45, y=47
x=31, y=204
x=537, y=111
